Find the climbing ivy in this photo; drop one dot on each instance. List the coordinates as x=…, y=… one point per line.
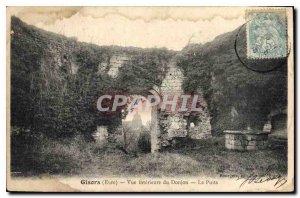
x=229, y=86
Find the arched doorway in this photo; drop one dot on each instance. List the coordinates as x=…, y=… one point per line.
x=140, y=126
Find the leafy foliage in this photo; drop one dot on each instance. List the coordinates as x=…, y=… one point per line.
x=49, y=96
x=238, y=97
x=143, y=71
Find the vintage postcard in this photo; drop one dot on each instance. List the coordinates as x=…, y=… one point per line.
x=150, y=99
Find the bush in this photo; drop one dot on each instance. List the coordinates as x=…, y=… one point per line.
x=24, y=150
x=33, y=154
x=65, y=157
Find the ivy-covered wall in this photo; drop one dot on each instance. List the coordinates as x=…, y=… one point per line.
x=55, y=81
x=238, y=98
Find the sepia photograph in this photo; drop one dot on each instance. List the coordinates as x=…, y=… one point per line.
x=150, y=99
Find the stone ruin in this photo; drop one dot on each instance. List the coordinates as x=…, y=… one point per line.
x=167, y=128
x=175, y=126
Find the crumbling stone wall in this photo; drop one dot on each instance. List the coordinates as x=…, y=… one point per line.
x=172, y=124
x=168, y=125
x=178, y=125
x=113, y=63
x=199, y=124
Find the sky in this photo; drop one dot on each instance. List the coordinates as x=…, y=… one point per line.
x=146, y=27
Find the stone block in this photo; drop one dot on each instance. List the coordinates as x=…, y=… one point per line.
x=229, y=146
x=236, y=142
x=251, y=143
x=227, y=141
x=251, y=147
x=250, y=137
x=229, y=136
x=238, y=147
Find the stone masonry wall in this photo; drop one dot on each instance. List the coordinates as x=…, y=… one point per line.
x=178, y=125
x=201, y=127
x=239, y=140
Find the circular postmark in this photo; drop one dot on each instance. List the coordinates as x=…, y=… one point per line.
x=261, y=65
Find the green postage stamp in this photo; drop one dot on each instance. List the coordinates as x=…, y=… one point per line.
x=266, y=34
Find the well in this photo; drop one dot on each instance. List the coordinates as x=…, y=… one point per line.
x=246, y=140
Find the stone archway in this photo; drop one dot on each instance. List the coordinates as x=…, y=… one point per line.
x=131, y=135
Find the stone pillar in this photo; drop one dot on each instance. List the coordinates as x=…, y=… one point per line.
x=155, y=131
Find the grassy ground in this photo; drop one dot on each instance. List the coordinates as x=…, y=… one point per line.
x=197, y=158
x=202, y=157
